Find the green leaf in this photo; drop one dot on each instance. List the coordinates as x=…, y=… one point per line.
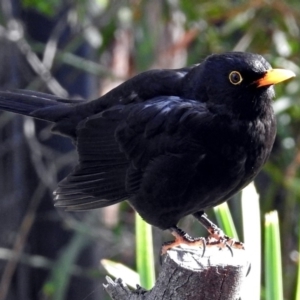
x=56, y=286
x=48, y=8
x=272, y=257
x=144, y=253
x=252, y=239
x=224, y=218
x=298, y=276
x=117, y=270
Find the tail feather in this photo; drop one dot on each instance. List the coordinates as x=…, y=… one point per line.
x=31, y=103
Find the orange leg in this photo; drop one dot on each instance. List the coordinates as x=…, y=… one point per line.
x=216, y=235
x=182, y=237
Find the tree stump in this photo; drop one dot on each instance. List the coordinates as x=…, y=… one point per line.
x=186, y=274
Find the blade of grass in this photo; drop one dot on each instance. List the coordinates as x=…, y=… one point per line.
x=117, y=270
x=272, y=257
x=298, y=279
x=252, y=239
x=144, y=253
x=56, y=286
x=225, y=221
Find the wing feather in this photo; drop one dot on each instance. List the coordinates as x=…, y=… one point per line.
x=120, y=148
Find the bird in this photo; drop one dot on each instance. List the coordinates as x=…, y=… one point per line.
x=171, y=142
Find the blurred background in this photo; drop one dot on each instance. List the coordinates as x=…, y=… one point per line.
x=82, y=49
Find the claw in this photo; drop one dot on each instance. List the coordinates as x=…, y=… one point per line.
x=216, y=235
x=182, y=237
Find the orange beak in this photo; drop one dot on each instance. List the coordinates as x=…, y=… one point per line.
x=274, y=76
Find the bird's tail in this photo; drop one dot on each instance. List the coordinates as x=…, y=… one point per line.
x=35, y=104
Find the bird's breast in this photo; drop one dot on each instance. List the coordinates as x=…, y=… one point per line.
x=236, y=152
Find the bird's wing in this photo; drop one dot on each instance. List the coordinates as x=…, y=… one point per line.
x=118, y=145
x=98, y=179
x=160, y=138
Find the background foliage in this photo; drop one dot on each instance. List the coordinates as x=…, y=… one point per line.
x=48, y=46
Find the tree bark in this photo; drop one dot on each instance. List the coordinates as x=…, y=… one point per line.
x=186, y=274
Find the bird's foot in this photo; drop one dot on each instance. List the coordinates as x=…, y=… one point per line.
x=216, y=235
x=220, y=240
x=182, y=237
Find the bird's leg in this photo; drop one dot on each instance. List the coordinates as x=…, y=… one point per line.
x=182, y=237
x=216, y=235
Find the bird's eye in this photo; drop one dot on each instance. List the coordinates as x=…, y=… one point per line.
x=235, y=77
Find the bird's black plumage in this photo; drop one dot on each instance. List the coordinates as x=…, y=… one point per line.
x=171, y=142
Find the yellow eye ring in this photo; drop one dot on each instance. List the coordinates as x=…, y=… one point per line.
x=235, y=77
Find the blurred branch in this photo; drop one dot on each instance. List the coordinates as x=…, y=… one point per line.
x=52, y=43
x=15, y=33
x=42, y=262
x=293, y=166
x=21, y=240
x=81, y=63
x=47, y=174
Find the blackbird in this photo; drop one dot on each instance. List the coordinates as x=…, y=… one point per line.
x=170, y=142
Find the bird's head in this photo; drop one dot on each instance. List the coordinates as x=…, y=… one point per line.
x=236, y=82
